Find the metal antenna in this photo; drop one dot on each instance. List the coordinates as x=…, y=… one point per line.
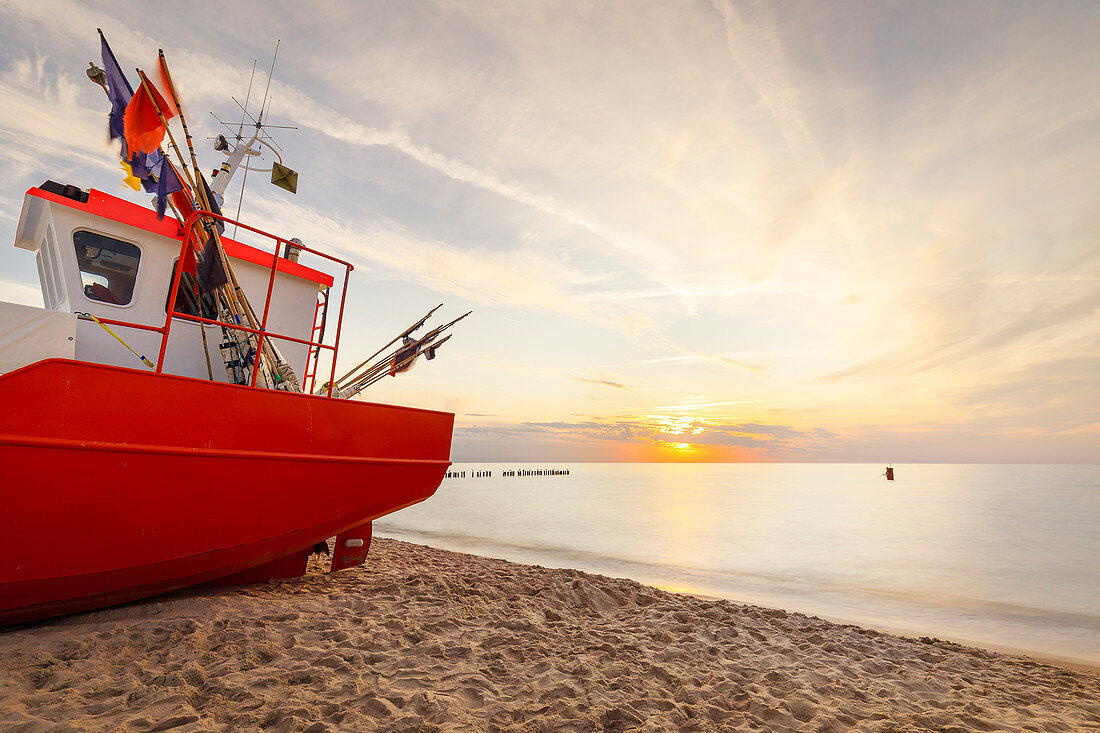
x=240, y=157
x=245, y=113
x=269, y=74
x=240, y=128
x=258, y=121
x=240, y=200
x=270, y=142
x=223, y=123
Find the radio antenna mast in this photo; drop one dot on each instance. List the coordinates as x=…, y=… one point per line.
x=247, y=96
x=244, y=149
x=274, y=56
x=240, y=137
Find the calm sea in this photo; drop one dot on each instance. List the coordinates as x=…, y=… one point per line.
x=994, y=555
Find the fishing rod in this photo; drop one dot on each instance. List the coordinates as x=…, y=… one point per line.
x=393, y=361
x=348, y=377
x=230, y=295
x=230, y=298
x=282, y=371
x=397, y=360
x=422, y=348
x=356, y=389
x=187, y=178
x=390, y=359
x=391, y=365
x=98, y=76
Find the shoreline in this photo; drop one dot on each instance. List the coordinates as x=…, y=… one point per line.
x=908, y=633
x=482, y=547
x=426, y=639
x=1053, y=659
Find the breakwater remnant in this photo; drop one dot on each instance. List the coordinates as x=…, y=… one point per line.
x=538, y=472
x=511, y=473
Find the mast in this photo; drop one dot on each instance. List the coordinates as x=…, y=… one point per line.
x=240, y=151
x=243, y=150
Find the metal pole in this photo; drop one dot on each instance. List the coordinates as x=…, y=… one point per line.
x=171, y=310
x=339, y=324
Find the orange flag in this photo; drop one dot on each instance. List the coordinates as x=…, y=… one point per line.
x=141, y=125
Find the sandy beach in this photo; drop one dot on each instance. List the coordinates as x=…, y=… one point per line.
x=420, y=639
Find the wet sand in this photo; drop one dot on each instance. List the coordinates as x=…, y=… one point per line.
x=420, y=639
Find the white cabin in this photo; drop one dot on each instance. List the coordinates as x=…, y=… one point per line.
x=113, y=259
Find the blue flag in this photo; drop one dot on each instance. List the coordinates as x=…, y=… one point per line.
x=152, y=168
x=120, y=93
x=429, y=353
x=168, y=182
x=119, y=90
x=405, y=356
x=211, y=273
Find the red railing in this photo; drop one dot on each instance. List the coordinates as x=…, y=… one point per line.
x=261, y=332
x=320, y=313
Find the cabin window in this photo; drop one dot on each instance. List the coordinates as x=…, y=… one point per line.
x=108, y=267
x=189, y=300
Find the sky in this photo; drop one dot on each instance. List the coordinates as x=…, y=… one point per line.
x=689, y=231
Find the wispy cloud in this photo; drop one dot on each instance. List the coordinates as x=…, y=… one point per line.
x=46, y=114
x=764, y=440
x=603, y=382
x=519, y=278
x=758, y=53
x=690, y=406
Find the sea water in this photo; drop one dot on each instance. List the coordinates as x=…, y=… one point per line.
x=1002, y=556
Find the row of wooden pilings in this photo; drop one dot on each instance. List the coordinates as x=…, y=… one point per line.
x=515, y=472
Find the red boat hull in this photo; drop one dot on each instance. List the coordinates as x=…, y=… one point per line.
x=120, y=484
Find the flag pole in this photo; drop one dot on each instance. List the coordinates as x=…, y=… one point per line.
x=198, y=191
x=202, y=326
x=269, y=350
x=172, y=145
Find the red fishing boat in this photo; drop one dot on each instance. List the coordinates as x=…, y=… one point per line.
x=151, y=440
